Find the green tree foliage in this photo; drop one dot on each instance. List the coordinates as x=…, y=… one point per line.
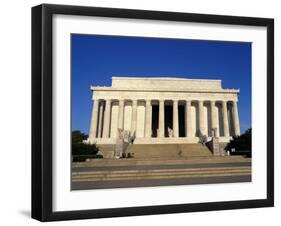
x=80, y=150
x=78, y=137
x=242, y=142
x=84, y=149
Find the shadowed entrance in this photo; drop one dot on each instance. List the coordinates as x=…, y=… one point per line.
x=155, y=120
x=182, y=121
x=168, y=119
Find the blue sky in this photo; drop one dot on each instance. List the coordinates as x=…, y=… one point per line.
x=96, y=58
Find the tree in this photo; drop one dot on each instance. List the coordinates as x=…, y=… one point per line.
x=78, y=137
x=81, y=150
x=242, y=143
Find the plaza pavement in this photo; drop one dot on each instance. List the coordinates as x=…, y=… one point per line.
x=120, y=173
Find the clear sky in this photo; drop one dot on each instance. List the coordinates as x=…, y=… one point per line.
x=96, y=58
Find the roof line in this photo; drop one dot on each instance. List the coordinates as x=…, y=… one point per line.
x=162, y=78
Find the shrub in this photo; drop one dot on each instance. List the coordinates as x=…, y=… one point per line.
x=82, y=151
x=242, y=144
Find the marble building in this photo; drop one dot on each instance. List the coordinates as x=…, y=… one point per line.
x=163, y=110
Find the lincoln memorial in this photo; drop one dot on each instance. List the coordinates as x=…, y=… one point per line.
x=163, y=111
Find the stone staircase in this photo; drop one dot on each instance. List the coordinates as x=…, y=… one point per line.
x=159, y=165
x=164, y=151
x=107, y=150
x=138, y=172
x=162, y=173
x=159, y=161
x=168, y=150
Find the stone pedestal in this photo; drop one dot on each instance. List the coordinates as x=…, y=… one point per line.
x=215, y=146
x=122, y=143
x=119, y=148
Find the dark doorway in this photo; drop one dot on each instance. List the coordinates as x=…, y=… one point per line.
x=155, y=119
x=181, y=121
x=168, y=118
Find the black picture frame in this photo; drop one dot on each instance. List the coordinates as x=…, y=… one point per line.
x=42, y=112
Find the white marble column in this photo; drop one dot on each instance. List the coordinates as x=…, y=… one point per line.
x=161, y=124
x=148, y=118
x=225, y=119
x=101, y=108
x=121, y=115
x=175, y=118
x=188, y=119
x=134, y=117
x=94, y=120
x=214, y=122
x=106, y=121
x=235, y=118
x=201, y=117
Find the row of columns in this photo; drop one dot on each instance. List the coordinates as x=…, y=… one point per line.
x=102, y=130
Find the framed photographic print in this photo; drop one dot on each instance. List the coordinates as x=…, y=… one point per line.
x=145, y=112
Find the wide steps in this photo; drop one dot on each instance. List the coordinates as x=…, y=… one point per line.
x=107, y=150
x=168, y=150
x=113, y=175
x=160, y=161
x=159, y=150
